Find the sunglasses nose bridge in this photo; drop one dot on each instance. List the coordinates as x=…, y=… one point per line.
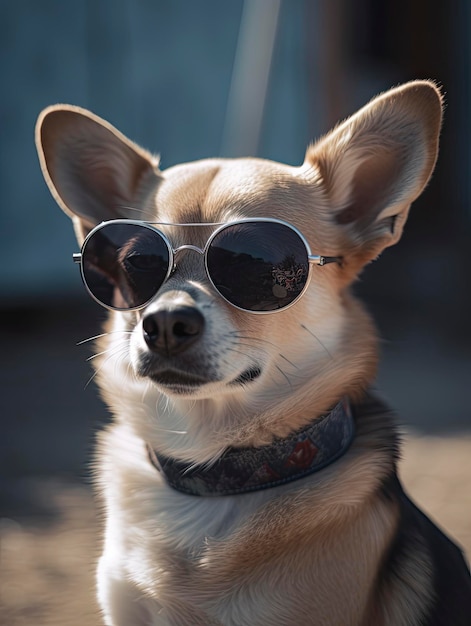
x=187, y=247
x=176, y=252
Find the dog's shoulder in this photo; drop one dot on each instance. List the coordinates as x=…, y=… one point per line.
x=448, y=570
x=422, y=568
x=376, y=426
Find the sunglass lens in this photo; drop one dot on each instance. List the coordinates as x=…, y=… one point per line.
x=124, y=264
x=258, y=266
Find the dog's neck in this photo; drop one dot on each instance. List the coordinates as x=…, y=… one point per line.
x=240, y=470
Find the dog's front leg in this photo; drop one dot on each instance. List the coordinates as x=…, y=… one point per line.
x=122, y=603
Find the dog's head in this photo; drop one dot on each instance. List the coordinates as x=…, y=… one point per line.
x=190, y=367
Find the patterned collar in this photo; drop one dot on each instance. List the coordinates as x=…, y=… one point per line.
x=240, y=470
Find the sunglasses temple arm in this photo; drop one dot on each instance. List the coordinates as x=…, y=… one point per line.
x=316, y=260
x=324, y=260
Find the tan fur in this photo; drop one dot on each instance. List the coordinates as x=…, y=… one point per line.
x=308, y=552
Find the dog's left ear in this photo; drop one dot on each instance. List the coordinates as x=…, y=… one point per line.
x=376, y=163
x=93, y=171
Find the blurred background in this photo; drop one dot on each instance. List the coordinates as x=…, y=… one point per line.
x=194, y=79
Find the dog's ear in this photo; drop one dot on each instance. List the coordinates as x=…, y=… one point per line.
x=373, y=165
x=92, y=170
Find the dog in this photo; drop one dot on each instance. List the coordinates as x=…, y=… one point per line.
x=250, y=474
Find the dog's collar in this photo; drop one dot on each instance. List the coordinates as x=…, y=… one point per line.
x=240, y=470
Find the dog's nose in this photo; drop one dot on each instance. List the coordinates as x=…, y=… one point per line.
x=170, y=330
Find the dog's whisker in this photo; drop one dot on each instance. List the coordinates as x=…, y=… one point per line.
x=248, y=345
x=171, y=431
x=284, y=374
x=114, y=352
x=98, y=354
x=239, y=352
x=110, y=332
x=189, y=410
x=232, y=349
x=288, y=361
x=144, y=212
x=91, y=379
x=130, y=371
x=317, y=339
x=80, y=343
x=237, y=335
x=123, y=344
x=145, y=389
x=165, y=400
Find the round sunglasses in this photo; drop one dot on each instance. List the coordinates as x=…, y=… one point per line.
x=258, y=265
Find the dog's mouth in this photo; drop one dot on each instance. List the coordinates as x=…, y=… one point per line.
x=247, y=376
x=178, y=381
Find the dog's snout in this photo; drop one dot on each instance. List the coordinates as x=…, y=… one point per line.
x=170, y=330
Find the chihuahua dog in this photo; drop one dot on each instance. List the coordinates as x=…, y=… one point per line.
x=250, y=474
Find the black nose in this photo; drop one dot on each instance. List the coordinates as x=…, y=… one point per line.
x=168, y=331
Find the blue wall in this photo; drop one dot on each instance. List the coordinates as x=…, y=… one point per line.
x=159, y=70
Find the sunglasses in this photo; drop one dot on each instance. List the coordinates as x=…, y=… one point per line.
x=257, y=265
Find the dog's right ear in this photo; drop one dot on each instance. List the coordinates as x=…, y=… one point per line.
x=93, y=171
x=375, y=164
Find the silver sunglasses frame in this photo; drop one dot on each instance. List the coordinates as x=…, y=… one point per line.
x=313, y=259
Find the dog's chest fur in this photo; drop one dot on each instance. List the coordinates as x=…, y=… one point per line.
x=224, y=558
